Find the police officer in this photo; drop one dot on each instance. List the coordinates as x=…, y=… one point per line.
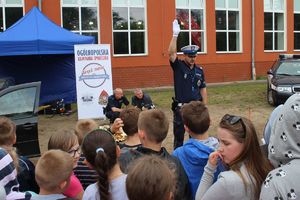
x=189, y=82
x=141, y=100
x=114, y=105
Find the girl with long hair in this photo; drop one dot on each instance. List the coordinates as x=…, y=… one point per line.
x=240, y=152
x=101, y=153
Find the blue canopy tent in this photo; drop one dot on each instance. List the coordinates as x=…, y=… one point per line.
x=36, y=49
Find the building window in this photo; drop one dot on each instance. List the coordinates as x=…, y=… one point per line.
x=81, y=16
x=296, y=24
x=191, y=17
x=129, y=27
x=274, y=22
x=228, y=25
x=10, y=12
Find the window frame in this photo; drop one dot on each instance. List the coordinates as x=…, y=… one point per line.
x=295, y=12
x=145, y=30
x=4, y=5
x=79, y=5
x=273, y=31
x=227, y=31
x=189, y=31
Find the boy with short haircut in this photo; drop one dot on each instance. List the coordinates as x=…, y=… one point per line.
x=153, y=128
x=52, y=173
x=194, y=154
x=85, y=175
x=158, y=175
x=130, y=117
x=83, y=127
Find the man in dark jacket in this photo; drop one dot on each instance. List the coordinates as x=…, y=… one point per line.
x=153, y=128
x=141, y=100
x=114, y=105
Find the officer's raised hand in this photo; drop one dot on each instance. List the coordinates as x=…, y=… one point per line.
x=173, y=44
x=176, y=28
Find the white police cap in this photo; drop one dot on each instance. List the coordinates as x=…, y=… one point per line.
x=190, y=49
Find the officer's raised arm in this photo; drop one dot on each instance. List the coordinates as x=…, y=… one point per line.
x=173, y=44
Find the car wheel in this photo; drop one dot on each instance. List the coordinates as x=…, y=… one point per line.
x=270, y=97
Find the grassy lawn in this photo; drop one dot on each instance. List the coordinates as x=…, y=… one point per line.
x=239, y=95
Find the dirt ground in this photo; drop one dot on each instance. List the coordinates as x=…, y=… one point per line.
x=259, y=116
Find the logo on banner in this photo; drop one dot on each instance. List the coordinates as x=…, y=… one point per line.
x=87, y=98
x=103, y=98
x=93, y=75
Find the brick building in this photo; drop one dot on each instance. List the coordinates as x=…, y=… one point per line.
x=139, y=32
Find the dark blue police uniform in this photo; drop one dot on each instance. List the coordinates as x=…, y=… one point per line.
x=143, y=102
x=187, y=85
x=113, y=102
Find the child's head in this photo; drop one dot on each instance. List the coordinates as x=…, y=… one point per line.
x=101, y=152
x=66, y=141
x=158, y=178
x=53, y=171
x=238, y=139
x=130, y=118
x=154, y=123
x=195, y=117
x=7, y=131
x=8, y=138
x=83, y=127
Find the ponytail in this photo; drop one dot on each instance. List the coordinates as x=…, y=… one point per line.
x=101, y=167
x=99, y=148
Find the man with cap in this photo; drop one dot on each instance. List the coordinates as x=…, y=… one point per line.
x=189, y=82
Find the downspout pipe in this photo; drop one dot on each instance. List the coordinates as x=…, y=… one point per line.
x=253, y=70
x=40, y=5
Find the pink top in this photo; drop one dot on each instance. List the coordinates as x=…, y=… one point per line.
x=74, y=188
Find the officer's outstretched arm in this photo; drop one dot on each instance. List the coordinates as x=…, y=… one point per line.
x=203, y=93
x=173, y=44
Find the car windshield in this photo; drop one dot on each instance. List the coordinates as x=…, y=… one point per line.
x=18, y=103
x=289, y=68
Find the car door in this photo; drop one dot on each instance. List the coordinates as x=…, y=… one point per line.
x=20, y=104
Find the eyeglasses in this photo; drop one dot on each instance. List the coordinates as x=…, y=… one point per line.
x=73, y=152
x=232, y=119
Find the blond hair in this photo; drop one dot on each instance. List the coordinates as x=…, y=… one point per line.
x=7, y=131
x=54, y=167
x=63, y=140
x=7, y=138
x=83, y=127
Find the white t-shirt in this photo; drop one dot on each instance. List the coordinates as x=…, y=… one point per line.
x=117, y=188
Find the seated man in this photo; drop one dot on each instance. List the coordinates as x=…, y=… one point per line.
x=114, y=105
x=141, y=100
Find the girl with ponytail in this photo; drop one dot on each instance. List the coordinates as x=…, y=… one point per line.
x=101, y=153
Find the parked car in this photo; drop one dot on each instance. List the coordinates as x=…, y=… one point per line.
x=283, y=79
x=20, y=104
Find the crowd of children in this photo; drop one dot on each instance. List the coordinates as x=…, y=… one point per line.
x=89, y=164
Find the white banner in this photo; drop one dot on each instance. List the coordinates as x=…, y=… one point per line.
x=93, y=79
